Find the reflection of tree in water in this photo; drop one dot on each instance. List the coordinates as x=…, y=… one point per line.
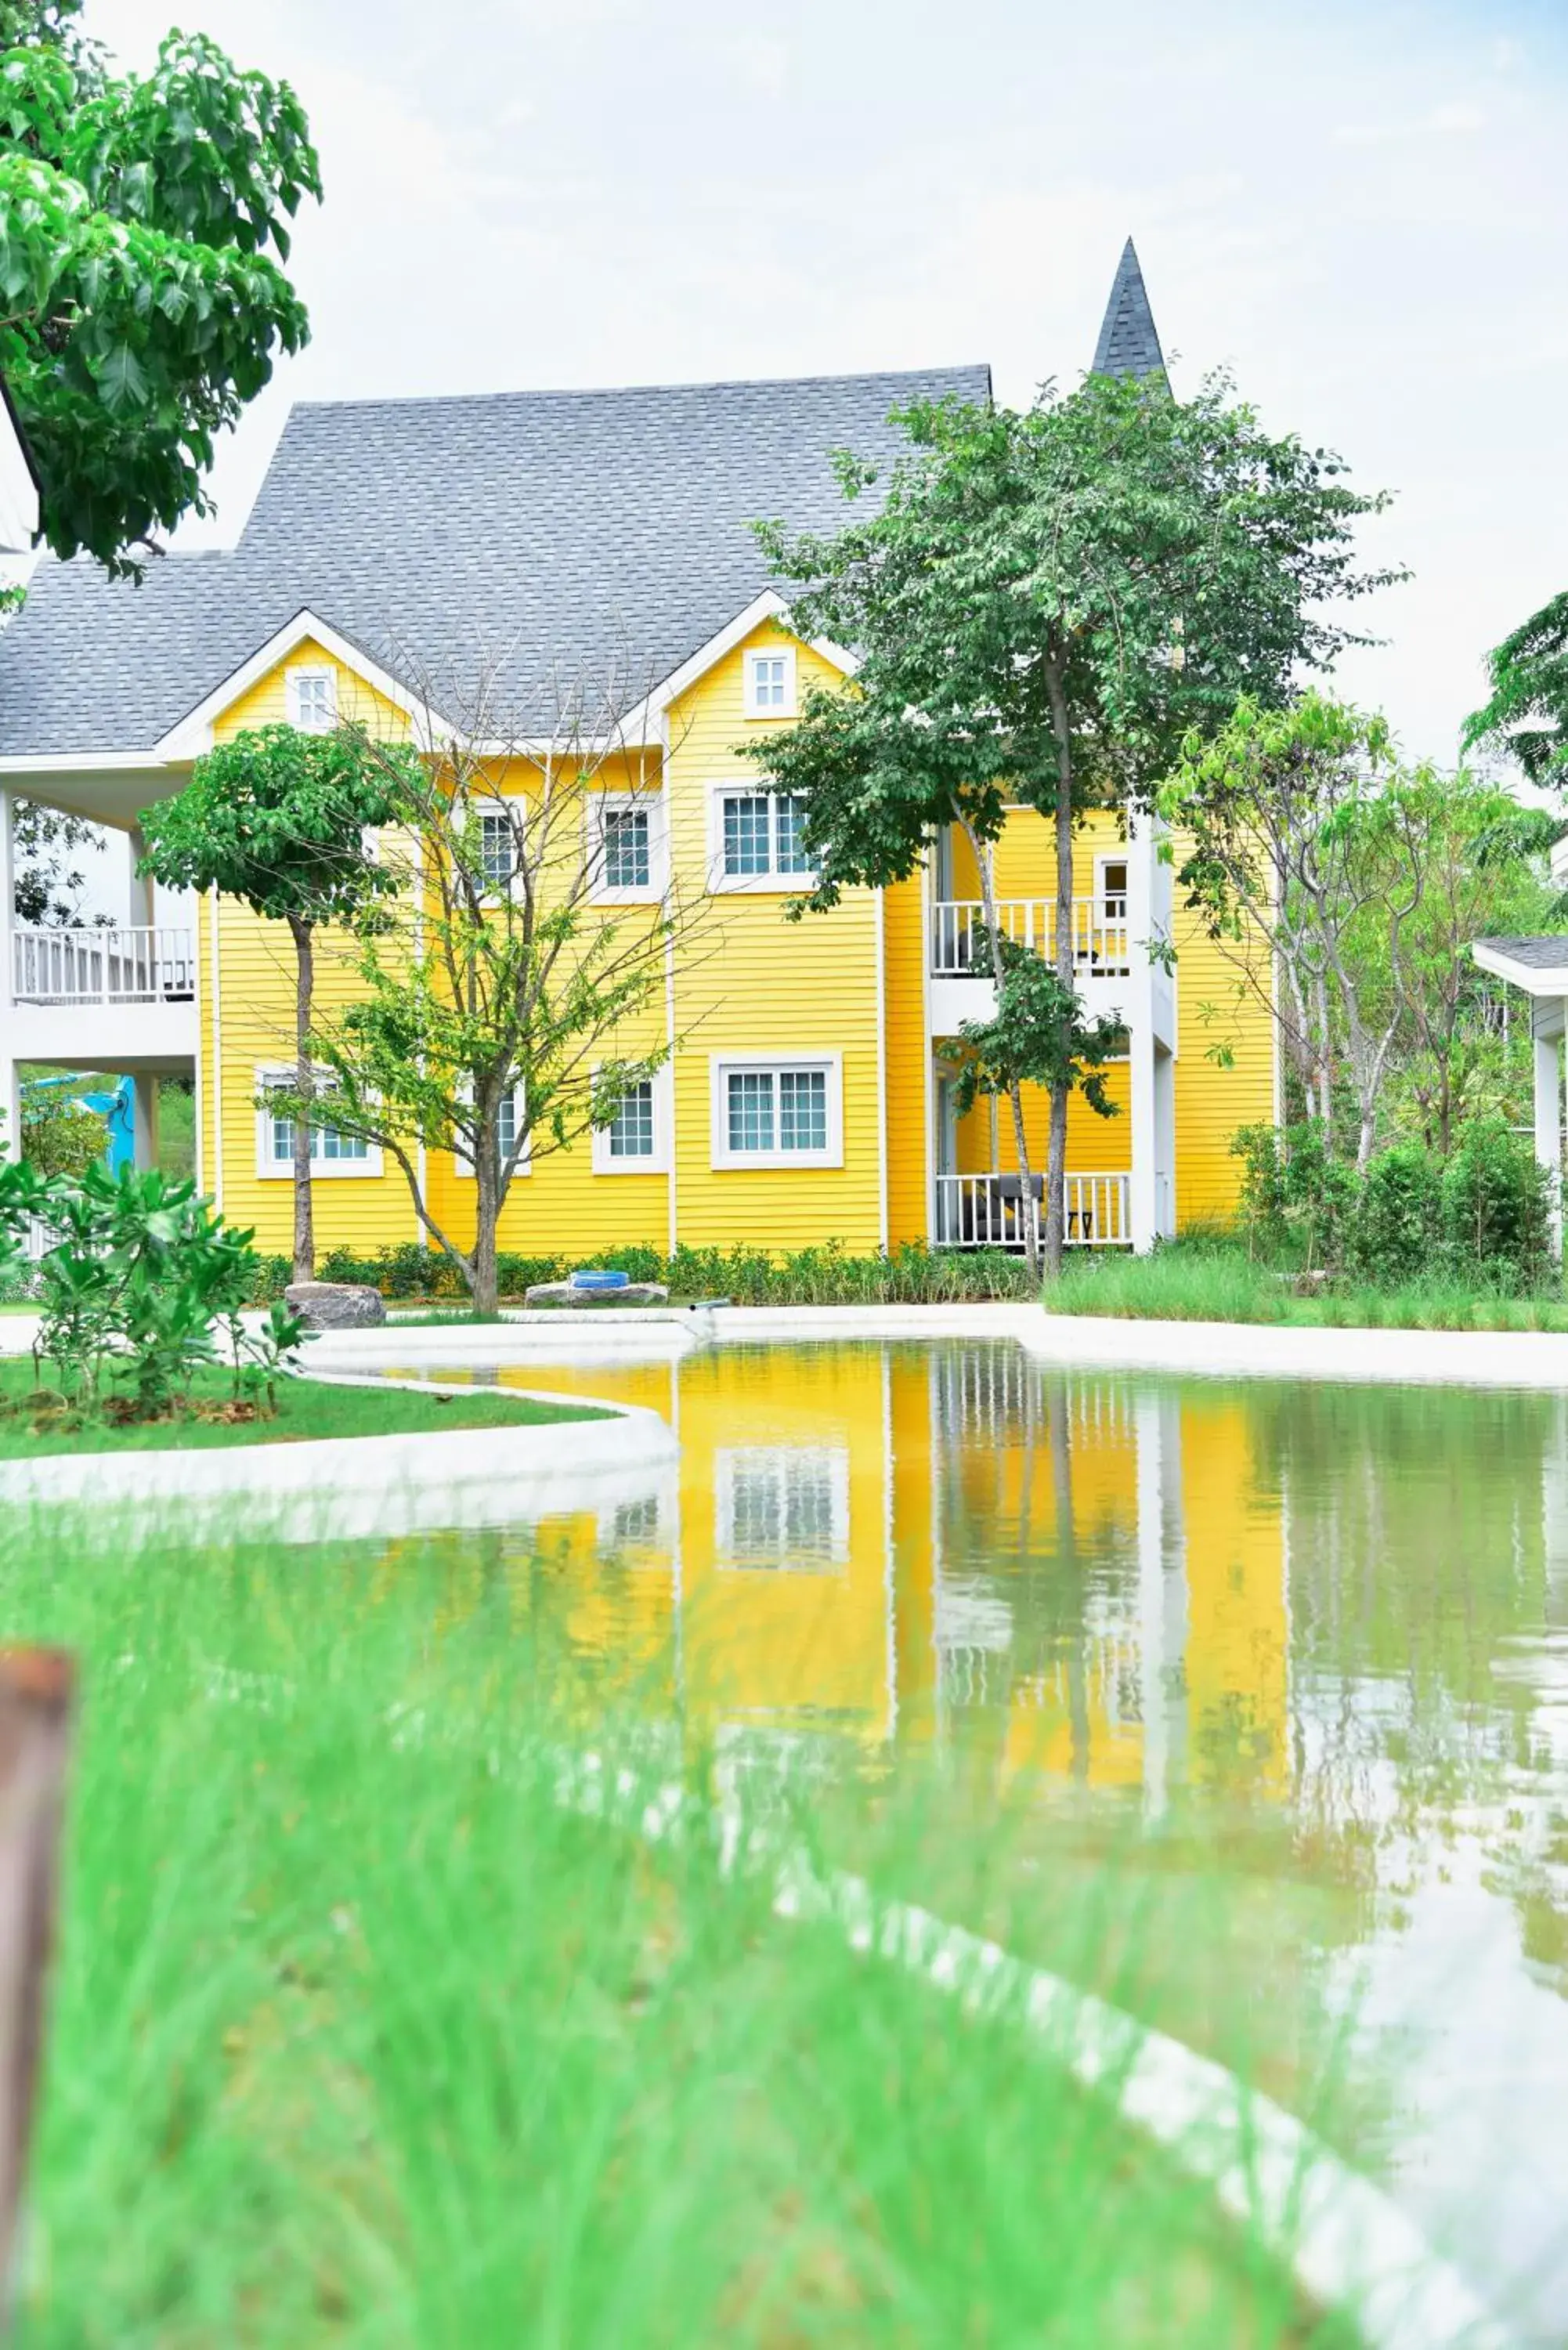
x=1035, y=1564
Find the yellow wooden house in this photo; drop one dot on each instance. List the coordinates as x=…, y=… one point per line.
x=394, y=545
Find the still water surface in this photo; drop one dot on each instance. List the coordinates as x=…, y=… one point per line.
x=1311, y=1641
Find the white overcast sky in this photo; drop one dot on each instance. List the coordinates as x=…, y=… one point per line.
x=1362, y=209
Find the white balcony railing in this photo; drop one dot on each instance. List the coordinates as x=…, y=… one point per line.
x=1100, y=947
x=107, y=966
x=988, y=1210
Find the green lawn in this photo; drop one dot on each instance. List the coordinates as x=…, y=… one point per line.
x=1208, y=1282
x=358, y=2042
x=306, y=1409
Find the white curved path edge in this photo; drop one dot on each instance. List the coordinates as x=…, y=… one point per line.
x=1532, y=1359
x=1347, y=2242
x=354, y=1486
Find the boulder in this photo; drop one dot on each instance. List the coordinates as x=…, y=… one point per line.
x=569, y=1292
x=336, y=1305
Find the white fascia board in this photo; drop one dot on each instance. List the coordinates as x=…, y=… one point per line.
x=641, y=724
x=80, y=763
x=20, y=511
x=1534, y=981
x=194, y=735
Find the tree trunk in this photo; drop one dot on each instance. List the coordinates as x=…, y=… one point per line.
x=36, y=1688
x=484, y=1285
x=303, y=1206
x=1056, y=1173
x=986, y=866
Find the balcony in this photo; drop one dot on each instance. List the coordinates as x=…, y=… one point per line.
x=1108, y=965
x=117, y=966
x=1100, y=944
x=122, y=999
x=990, y=1211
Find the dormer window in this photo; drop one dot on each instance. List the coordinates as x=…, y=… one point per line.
x=313, y=700
x=770, y=685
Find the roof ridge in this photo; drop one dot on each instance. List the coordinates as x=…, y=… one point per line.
x=629, y=390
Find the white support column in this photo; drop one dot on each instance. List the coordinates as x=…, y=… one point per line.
x=143, y=891
x=1165, y=1144
x=1549, y=1113
x=1143, y=1202
x=10, y=1085
x=144, y=1118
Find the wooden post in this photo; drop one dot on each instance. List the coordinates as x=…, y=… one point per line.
x=36, y=1687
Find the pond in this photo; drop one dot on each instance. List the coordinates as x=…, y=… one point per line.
x=1308, y=1642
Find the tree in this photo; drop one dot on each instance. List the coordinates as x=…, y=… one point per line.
x=1527, y=715
x=143, y=308
x=1043, y=607
x=493, y=1005
x=48, y=886
x=1037, y=1036
x=279, y=819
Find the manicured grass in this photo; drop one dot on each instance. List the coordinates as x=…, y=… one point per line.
x=306, y=1409
x=358, y=2042
x=1205, y=1282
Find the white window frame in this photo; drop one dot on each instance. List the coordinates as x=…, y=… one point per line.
x=281, y=1170
x=1121, y=857
x=495, y=807
x=772, y=1460
x=755, y=654
x=723, y=1065
x=659, y=1164
x=649, y=803
x=462, y=1165
x=313, y=672
x=771, y=884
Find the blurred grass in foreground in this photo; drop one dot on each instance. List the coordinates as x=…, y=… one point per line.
x=359, y=2039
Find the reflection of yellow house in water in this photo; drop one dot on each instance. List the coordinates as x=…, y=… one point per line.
x=1086, y=1579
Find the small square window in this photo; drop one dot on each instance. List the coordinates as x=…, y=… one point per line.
x=770, y=685
x=802, y=1110
x=763, y=835
x=331, y=1152
x=314, y=694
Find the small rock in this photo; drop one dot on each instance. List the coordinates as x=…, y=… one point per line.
x=566, y=1293
x=336, y=1305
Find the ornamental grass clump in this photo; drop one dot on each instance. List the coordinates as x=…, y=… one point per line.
x=141, y=1288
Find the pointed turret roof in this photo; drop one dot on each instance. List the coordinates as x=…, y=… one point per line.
x=1128, y=343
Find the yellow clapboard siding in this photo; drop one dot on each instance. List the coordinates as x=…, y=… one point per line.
x=908, y=1060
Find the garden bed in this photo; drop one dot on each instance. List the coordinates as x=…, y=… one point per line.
x=308, y=1410
x=1204, y=1281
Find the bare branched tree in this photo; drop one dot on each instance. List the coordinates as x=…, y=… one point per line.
x=519, y=983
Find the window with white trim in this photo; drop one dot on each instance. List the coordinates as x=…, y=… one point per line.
x=761, y=838
x=313, y=700
x=785, y=1113
x=332, y=1152
x=770, y=682
x=627, y=846
x=497, y=849
x=636, y=1140
x=784, y=1507
x=507, y=1117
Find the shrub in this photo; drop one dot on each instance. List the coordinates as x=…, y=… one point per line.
x=1395, y=1232
x=1260, y=1208
x=60, y=1138
x=1496, y=1206
x=139, y=1285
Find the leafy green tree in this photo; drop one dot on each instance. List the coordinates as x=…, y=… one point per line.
x=1037, y=1036
x=497, y=1009
x=1043, y=606
x=142, y=306
x=280, y=819
x=1527, y=715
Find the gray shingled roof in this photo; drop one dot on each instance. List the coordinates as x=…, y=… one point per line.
x=1533, y=955
x=552, y=527
x=1128, y=343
